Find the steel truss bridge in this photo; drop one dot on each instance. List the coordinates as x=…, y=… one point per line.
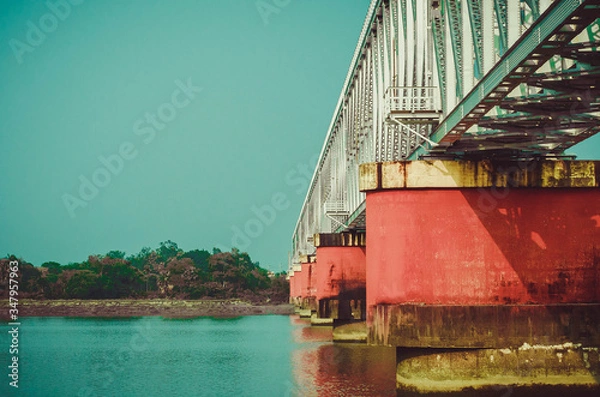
x=455, y=79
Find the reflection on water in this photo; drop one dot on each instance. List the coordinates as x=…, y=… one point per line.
x=259, y=356
x=322, y=368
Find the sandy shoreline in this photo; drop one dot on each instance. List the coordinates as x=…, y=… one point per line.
x=137, y=308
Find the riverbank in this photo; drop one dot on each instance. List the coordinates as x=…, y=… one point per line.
x=137, y=308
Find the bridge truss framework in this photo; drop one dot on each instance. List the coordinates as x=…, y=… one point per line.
x=455, y=79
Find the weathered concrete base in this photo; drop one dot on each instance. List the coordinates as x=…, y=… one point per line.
x=316, y=321
x=304, y=306
x=309, y=303
x=344, y=331
x=484, y=326
x=304, y=313
x=343, y=309
x=529, y=368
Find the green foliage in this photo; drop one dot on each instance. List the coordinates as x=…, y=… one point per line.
x=139, y=260
x=168, y=250
x=53, y=267
x=84, y=284
x=199, y=258
x=116, y=255
x=166, y=272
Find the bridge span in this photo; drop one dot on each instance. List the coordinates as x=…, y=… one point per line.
x=445, y=210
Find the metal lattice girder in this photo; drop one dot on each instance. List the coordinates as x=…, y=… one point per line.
x=553, y=31
x=534, y=6
x=476, y=31
x=519, y=145
x=556, y=105
x=455, y=19
x=569, y=81
x=538, y=124
x=413, y=53
x=583, y=52
x=502, y=17
x=437, y=27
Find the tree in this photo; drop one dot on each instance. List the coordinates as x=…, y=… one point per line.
x=181, y=277
x=53, y=267
x=117, y=278
x=121, y=280
x=140, y=260
x=29, y=277
x=83, y=284
x=223, y=267
x=115, y=255
x=279, y=291
x=168, y=250
x=199, y=258
x=166, y=271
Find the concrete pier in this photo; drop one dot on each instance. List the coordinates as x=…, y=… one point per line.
x=341, y=277
x=308, y=284
x=534, y=370
x=302, y=287
x=472, y=260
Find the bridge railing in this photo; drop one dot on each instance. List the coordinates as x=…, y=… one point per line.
x=411, y=99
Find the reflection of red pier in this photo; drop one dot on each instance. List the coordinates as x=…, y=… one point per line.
x=327, y=369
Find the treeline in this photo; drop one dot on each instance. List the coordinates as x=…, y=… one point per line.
x=165, y=272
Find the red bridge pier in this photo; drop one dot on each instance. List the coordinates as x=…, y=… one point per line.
x=485, y=275
x=341, y=283
x=331, y=285
x=302, y=286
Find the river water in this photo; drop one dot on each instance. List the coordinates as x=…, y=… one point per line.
x=154, y=356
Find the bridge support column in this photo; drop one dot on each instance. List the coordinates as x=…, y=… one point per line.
x=485, y=274
x=296, y=287
x=308, y=304
x=341, y=282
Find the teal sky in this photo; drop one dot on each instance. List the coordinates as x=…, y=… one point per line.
x=94, y=97
x=269, y=84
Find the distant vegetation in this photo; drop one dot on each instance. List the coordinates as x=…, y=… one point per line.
x=166, y=272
